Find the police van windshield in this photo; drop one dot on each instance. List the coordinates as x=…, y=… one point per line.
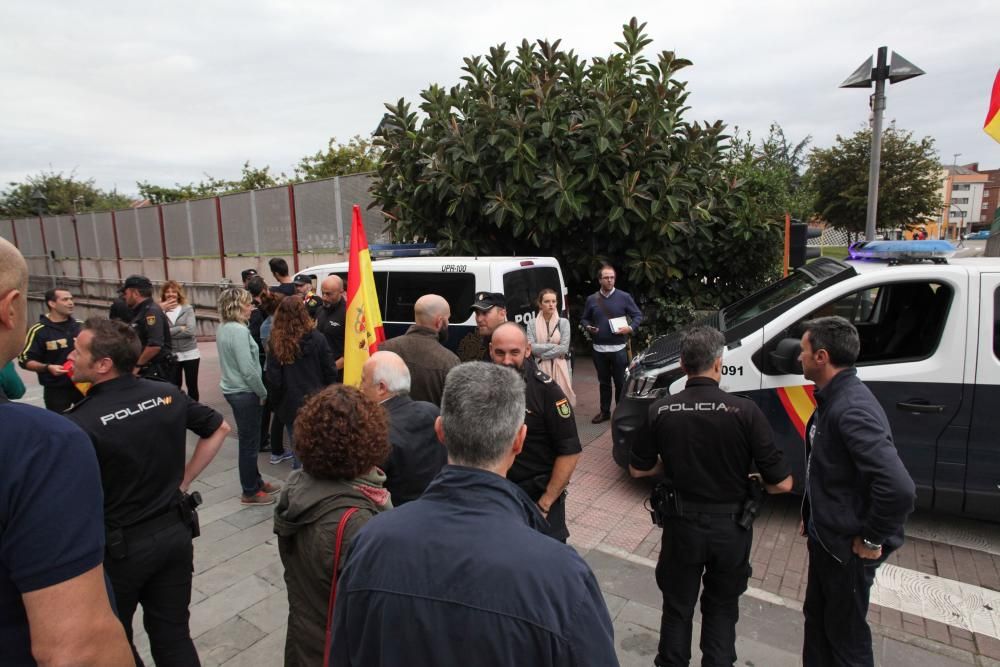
x=770, y=297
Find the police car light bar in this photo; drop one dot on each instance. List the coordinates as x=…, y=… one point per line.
x=897, y=252
x=389, y=250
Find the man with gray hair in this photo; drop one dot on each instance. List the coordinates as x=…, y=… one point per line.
x=706, y=442
x=417, y=454
x=422, y=348
x=464, y=567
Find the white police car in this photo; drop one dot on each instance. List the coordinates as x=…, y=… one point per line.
x=930, y=352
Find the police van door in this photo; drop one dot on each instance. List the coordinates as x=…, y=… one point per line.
x=912, y=329
x=982, y=486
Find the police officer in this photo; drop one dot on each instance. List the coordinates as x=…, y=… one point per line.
x=152, y=327
x=137, y=427
x=552, y=445
x=304, y=288
x=490, y=309
x=706, y=441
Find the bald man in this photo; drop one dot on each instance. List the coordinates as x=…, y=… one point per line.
x=422, y=348
x=330, y=318
x=417, y=455
x=552, y=445
x=54, y=605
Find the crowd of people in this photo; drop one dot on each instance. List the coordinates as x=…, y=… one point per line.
x=428, y=476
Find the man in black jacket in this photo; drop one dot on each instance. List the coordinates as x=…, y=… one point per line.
x=47, y=347
x=858, y=495
x=417, y=454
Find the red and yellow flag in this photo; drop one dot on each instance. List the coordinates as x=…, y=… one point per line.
x=363, y=320
x=992, y=124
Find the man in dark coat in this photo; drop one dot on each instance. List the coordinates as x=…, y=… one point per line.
x=464, y=567
x=417, y=454
x=421, y=347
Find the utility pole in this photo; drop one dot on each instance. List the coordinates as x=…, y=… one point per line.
x=899, y=70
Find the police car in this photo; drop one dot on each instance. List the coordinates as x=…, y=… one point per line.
x=930, y=352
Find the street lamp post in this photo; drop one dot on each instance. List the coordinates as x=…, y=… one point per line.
x=40, y=201
x=899, y=70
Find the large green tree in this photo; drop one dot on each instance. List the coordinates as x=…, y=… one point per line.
x=63, y=194
x=909, y=180
x=769, y=174
x=540, y=151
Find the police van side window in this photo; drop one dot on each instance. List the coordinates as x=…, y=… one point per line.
x=521, y=288
x=380, y=281
x=405, y=287
x=896, y=322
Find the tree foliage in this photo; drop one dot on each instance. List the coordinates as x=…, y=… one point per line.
x=63, y=194
x=770, y=177
x=909, y=180
x=356, y=156
x=541, y=152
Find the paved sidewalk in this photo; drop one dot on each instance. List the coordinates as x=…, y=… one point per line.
x=239, y=607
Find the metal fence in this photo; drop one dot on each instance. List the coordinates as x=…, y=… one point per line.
x=201, y=241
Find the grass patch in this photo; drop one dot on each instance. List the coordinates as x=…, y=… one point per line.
x=836, y=252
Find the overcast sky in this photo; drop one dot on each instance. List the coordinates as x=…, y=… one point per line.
x=167, y=92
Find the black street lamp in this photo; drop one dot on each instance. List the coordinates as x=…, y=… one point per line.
x=40, y=201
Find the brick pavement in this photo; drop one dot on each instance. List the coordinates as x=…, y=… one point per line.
x=239, y=608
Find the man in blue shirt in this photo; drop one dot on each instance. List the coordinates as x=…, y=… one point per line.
x=54, y=604
x=610, y=316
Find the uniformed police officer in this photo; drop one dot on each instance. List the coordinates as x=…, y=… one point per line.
x=137, y=427
x=152, y=327
x=490, y=309
x=552, y=446
x=706, y=441
x=304, y=288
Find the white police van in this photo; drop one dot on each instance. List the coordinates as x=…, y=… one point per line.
x=399, y=282
x=930, y=352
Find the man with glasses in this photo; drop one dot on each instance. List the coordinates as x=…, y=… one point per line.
x=610, y=316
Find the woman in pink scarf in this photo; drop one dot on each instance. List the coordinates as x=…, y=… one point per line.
x=549, y=338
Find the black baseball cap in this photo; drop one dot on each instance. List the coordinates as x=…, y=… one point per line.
x=486, y=300
x=247, y=274
x=138, y=282
x=302, y=279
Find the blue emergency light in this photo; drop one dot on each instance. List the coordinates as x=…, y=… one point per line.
x=896, y=252
x=390, y=250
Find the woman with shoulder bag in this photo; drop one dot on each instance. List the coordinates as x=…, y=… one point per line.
x=340, y=438
x=548, y=335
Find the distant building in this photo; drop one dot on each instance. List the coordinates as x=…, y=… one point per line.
x=962, y=192
x=991, y=195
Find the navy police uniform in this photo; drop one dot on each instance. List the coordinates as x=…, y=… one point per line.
x=708, y=441
x=153, y=329
x=551, y=433
x=50, y=343
x=138, y=428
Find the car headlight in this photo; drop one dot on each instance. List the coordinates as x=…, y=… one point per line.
x=645, y=384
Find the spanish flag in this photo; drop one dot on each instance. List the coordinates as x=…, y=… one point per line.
x=992, y=124
x=363, y=320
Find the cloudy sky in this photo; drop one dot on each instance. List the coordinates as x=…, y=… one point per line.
x=167, y=92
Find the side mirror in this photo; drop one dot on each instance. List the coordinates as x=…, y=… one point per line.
x=785, y=357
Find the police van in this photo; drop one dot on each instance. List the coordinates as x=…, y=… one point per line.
x=930, y=352
x=400, y=281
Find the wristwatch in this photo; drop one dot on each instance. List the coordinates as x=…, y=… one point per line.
x=870, y=545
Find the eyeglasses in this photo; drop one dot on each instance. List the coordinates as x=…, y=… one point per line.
x=607, y=277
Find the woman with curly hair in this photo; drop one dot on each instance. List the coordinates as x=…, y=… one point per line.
x=299, y=361
x=340, y=438
x=243, y=389
x=183, y=335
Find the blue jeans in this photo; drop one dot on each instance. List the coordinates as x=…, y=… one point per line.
x=246, y=411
